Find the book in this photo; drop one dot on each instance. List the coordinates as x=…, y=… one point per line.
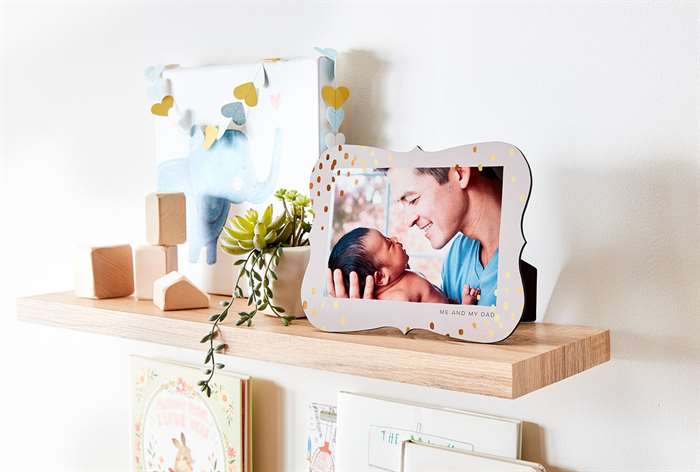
x=320, y=444
x=177, y=428
x=372, y=429
x=419, y=457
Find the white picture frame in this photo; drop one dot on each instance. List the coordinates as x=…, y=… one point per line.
x=473, y=322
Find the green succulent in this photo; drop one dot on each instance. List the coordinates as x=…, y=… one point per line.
x=259, y=240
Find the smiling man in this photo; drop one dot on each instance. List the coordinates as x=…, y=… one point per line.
x=445, y=202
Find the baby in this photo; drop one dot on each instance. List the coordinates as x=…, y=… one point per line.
x=369, y=253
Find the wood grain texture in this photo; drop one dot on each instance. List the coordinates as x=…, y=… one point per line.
x=536, y=355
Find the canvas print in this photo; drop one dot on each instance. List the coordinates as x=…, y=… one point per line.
x=371, y=431
x=418, y=240
x=176, y=428
x=228, y=136
x=320, y=444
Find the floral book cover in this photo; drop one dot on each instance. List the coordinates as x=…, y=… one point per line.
x=177, y=428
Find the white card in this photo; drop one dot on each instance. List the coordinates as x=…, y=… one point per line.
x=419, y=457
x=371, y=431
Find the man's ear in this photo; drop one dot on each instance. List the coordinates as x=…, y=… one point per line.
x=381, y=277
x=461, y=175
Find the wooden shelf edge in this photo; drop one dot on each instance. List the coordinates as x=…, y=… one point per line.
x=537, y=355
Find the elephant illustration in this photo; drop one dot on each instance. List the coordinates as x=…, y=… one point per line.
x=213, y=179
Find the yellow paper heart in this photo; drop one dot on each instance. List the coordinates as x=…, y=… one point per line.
x=335, y=97
x=162, y=108
x=210, y=133
x=247, y=93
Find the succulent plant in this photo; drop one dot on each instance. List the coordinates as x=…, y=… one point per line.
x=259, y=241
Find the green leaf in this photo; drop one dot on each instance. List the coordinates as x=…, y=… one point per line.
x=234, y=251
x=267, y=216
x=249, y=323
x=214, y=317
x=208, y=391
x=223, y=316
x=202, y=382
x=273, y=275
x=241, y=321
x=239, y=262
x=219, y=365
x=207, y=372
x=257, y=277
x=209, y=356
x=221, y=347
x=279, y=308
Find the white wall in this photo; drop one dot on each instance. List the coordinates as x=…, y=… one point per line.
x=601, y=97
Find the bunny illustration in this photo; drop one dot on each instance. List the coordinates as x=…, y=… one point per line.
x=183, y=460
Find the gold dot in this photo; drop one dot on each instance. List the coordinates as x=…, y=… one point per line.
x=432, y=325
x=506, y=305
x=313, y=312
x=481, y=167
x=513, y=179
x=522, y=198
x=492, y=157
x=376, y=163
x=352, y=163
x=511, y=152
x=325, y=209
x=343, y=320
x=512, y=317
x=362, y=162
x=478, y=296
x=305, y=305
x=519, y=289
x=474, y=149
x=474, y=324
x=491, y=333
x=497, y=318
x=461, y=331
x=336, y=305
x=408, y=328
x=323, y=305
x=507, y=275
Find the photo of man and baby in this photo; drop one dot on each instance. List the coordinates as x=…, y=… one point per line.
x=426, y=235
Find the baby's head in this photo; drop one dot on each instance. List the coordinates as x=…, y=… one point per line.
x=368, y=252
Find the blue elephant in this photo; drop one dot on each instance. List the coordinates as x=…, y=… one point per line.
x=214, y=178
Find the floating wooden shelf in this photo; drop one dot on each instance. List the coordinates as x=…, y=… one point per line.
x=536, y=355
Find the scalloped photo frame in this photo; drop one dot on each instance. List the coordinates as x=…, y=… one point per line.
x=409, y=222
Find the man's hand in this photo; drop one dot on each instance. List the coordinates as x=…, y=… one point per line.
x=336, y=285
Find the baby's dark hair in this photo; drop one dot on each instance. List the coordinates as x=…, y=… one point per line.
x=349, y=255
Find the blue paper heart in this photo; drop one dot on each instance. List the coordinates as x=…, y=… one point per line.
x=235, y=111
x=328, y=52
x=335, y=117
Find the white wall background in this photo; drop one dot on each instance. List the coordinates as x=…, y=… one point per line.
x=601, y=97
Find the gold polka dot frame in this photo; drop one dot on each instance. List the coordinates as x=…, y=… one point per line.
x=475, y=323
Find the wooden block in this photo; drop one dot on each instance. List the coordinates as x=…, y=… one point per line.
x=104, y=272
x=174, y=291
x=165, y=219
x=150, y=264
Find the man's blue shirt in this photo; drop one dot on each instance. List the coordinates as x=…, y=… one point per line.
x=463, y=266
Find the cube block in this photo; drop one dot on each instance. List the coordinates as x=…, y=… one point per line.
x=165, y=219
x=150, y=264
x=174, y=291
x=104, y=272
